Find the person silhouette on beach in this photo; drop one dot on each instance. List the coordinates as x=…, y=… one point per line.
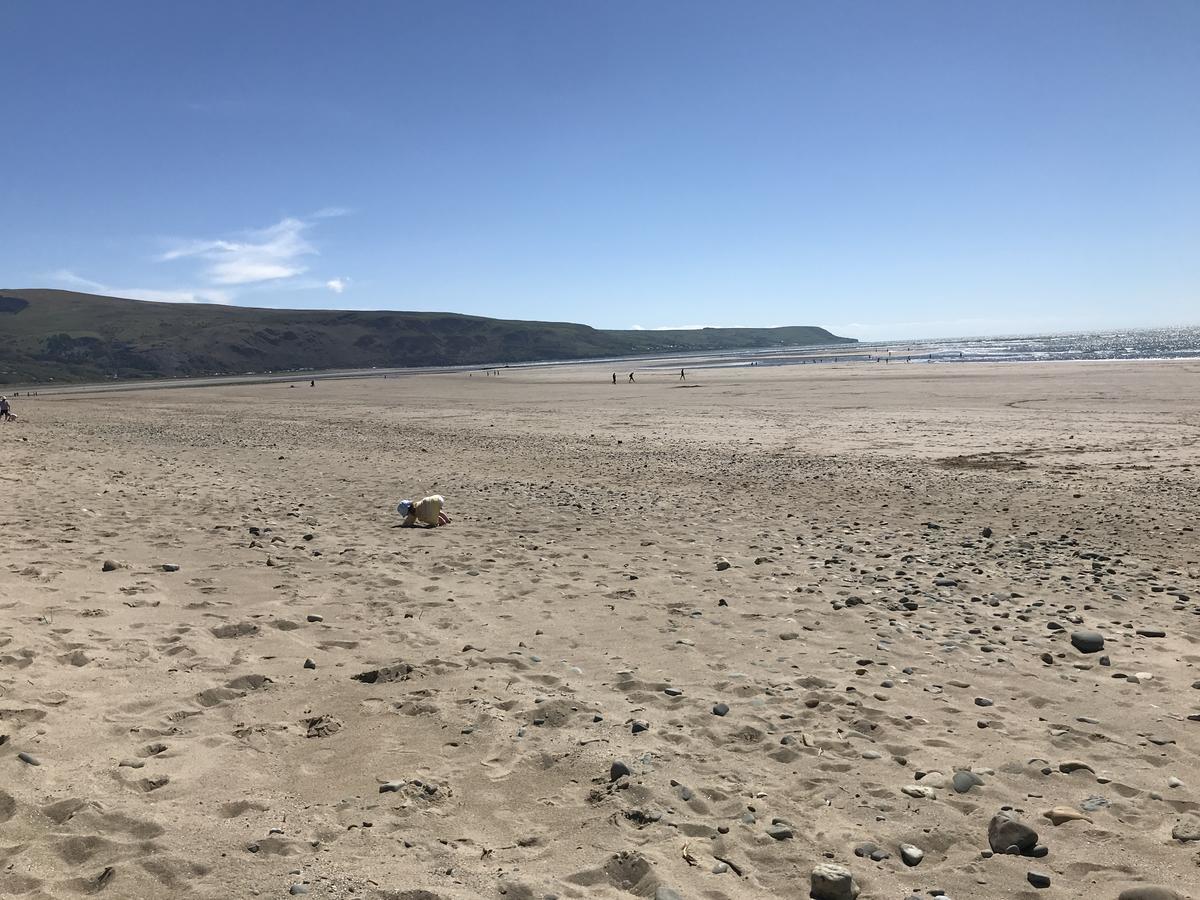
x=631, y=378
x=682, y=377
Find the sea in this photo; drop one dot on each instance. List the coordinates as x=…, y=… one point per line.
x=1153, y=343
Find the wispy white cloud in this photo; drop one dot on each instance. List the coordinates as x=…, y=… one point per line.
x=274, y=258
x=265, y=254
x=67, y=278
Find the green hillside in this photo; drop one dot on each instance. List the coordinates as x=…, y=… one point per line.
x=64, y=336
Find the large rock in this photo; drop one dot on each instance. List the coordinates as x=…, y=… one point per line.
x=1087, y=641
x=1005, y=831
x=832, y=882
x=1187, y=829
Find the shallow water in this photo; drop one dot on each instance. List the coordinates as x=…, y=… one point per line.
x=1157, y=343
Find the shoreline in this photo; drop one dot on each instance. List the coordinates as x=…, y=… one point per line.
x=656, y=364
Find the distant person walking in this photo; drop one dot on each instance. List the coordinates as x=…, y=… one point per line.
x=631, y=381
x=614, y=377
x=682, y=377
x=5, y=410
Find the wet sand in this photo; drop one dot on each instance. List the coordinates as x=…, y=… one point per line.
x=840, y=600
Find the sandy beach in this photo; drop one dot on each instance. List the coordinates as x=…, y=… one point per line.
x=683, y=639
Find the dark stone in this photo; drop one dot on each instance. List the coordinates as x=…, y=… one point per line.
x=964, y=781
x=1005, y=831
x=396, y=672
x=1087, y=641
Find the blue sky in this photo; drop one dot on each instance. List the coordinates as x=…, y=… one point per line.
x=885, y=169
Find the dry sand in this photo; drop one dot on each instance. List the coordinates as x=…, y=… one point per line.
x=868, y=636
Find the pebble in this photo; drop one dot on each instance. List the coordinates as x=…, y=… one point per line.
x=1060, y=814
x=1151, y=633
x=298, y=889
x=723, y=564
x=170, y=567
x=871, y=851
x=1087, y=641
x=314, y=617
x=832, y=882
x=1174, y=782
x=964, y=781
x=1074, y=765
x=918, y=791
x=673, y=692
x=638, y=726
x=1038, y=879
x=110, y=565
x=389, y=787
x=619, y=769
x=29, y=758
x=781, y=832
x=983, y=701
x=310, y=664
x=911, y=855
x=720, y=709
